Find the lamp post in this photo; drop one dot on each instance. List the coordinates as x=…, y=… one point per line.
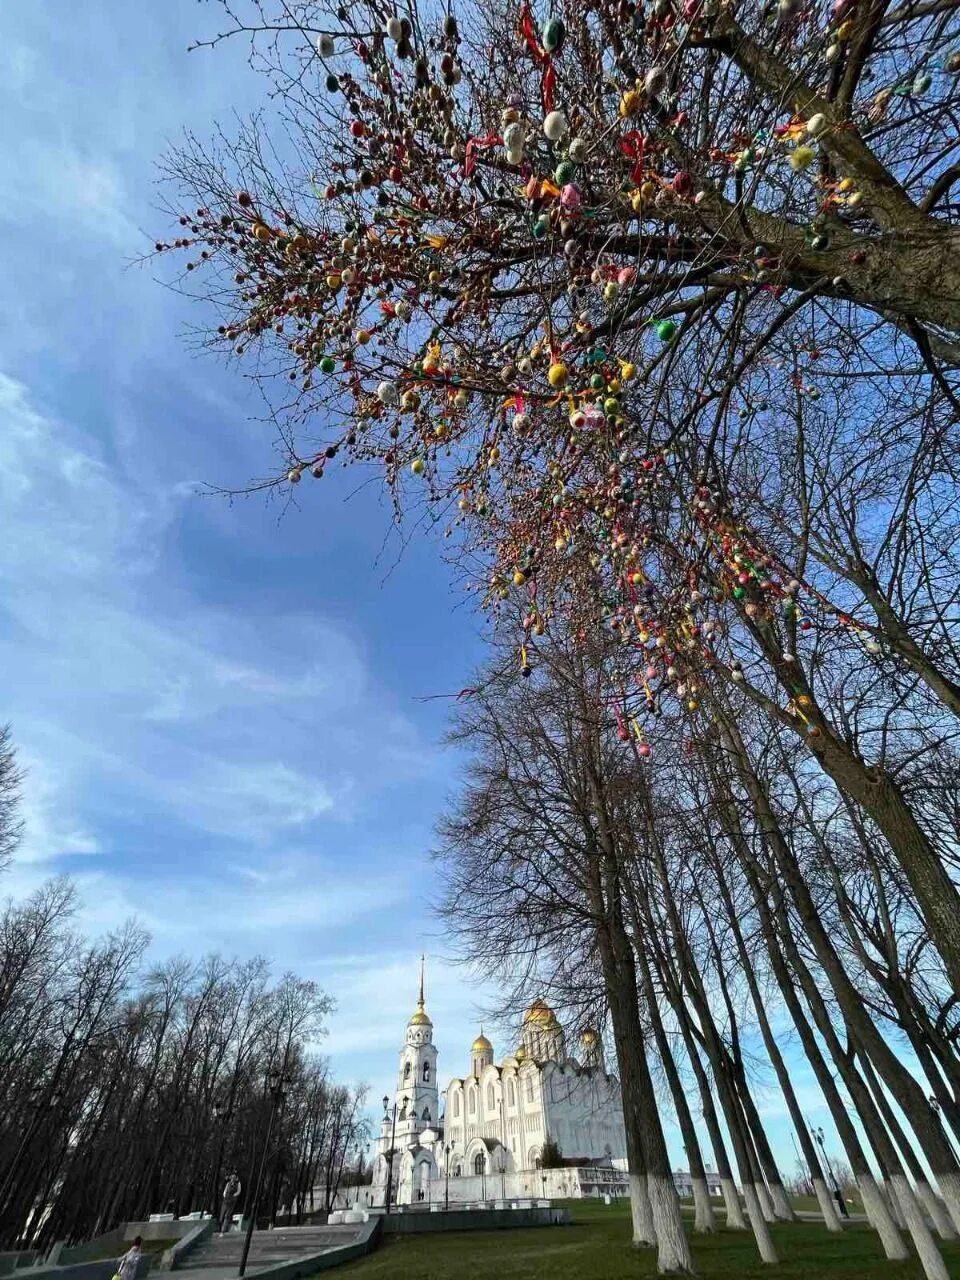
x=837, y=1193
x=222, y=1114
x=503, y=1149
x=389, y=1154
x=935, y=1104
x=483, y=1176
x=446, y=1189
x=277, y=1082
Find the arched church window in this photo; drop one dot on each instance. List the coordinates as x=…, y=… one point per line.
x=529, y=1088
x=472, y=1102
x=426, y=1115
x=426, y=1072
x=491, y=1100
x=479, y=1165
x=511, y=1094
x=406, y=1070
x=456, y=1105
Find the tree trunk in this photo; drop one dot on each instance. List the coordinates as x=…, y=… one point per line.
x=874, y=1204
x=923, y=1119
x=831, y=1218
x=620, y=981
x=729, y=1101
x=703, y=1220
x=930, y=1201
x=728, y=1187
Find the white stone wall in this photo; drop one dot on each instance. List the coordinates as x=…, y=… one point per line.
x=504, y=1104
x=583, y=1112
x=550, y=1184
x=521, y=1106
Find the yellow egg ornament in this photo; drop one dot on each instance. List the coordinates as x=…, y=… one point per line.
x=557, y=375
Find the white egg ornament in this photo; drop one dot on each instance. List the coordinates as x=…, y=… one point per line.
x=816, y=124
x=388, y=394
x=555, y=126
x=326, y=46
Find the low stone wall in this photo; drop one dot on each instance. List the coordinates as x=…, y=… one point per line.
x=101, y=1269
x=415, y=1221
x=119, y=1239
x=20, y=1258
x=566, y=1183
x=310, y=1264
x=176, y=1254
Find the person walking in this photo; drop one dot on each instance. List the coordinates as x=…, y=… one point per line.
x=128, y=1264
x=230, y=1193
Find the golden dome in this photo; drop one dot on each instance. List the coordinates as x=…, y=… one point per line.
x=420, y=1018
x=540, y=1012
x=521, y=1054
x=481, y=1045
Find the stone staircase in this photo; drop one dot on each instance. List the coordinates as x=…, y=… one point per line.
x=268, y=1248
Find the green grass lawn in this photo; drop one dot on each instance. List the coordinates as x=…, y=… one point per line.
x=597, y=1247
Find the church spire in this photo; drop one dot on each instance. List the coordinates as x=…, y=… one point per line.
x=420, y=1017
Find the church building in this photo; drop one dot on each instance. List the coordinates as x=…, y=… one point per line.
x=489, y=1140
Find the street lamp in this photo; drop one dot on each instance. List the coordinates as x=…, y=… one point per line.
x=935, y=1104
x=276, y=1085
x=446, y=1190
x=222, y=1114
x=837, y=1193
x=389, y=1154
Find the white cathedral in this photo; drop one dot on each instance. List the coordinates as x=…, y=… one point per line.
x=488, y=1141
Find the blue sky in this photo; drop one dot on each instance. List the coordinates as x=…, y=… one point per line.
x=217, y=703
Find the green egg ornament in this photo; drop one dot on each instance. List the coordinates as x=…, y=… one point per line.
x=552, y=34
x=666, y=330
x=328, y=364
x=563, y=173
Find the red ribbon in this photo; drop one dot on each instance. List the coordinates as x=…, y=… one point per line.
x=548, y=82
x=633, y=145
x=473, y=146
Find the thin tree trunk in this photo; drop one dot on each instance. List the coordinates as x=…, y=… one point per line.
x=874, y=1204
x=828, y=1209
x=923, y=1119
x=931, y=1202
x=703, y=1218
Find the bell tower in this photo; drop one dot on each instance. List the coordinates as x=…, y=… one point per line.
x=417, y=1078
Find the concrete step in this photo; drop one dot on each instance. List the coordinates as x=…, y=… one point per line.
x=267, y=1247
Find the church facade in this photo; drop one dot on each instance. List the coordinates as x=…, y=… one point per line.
x=488, y=1140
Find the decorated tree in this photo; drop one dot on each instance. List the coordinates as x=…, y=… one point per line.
x=658, y=308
